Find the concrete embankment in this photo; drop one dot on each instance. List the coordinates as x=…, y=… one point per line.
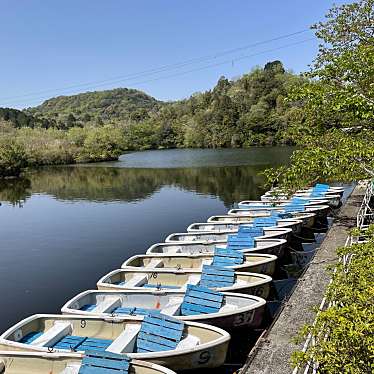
x=272, y=353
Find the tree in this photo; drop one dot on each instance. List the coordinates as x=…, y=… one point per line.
x=339, y=94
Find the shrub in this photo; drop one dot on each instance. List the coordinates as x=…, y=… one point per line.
x=101, y=144
x=344, y=332
x=13, y=157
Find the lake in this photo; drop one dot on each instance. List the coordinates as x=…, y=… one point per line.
x=62, y=228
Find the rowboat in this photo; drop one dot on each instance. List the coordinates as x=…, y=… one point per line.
x=225, y=310
x=222, y=236
x=318, y=188
x=293, y=224
x=215, y=277
x=307, y=219
x=332, y=200
x=252, y=262
x=333, y=195
x=159, y=339
x=16, y=362
x=267, y=246
x=321, y=211
x=267, y=201
x=324, y=188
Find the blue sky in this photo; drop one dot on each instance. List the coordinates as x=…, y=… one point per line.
x=51, y=48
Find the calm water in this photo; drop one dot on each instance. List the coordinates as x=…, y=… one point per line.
x=62, y=228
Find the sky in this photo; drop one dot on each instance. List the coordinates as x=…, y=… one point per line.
x=169, y=49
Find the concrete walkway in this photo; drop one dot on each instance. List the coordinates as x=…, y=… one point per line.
x=272, y=353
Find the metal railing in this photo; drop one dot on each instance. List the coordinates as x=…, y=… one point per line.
x=365, y=214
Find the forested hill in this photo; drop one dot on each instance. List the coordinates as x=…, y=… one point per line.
x=249, y=110
x=121, y=104
x=98, y=126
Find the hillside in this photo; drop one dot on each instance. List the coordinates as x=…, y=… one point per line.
x=121, y=104
x=98, y=126
x=249, y=110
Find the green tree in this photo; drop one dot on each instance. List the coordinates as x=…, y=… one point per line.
x=102, y=143
x=339, y=94
x=12, y=157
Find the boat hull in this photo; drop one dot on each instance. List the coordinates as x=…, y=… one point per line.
x=266, y=246
x=308, y=219
x=253, y=263
x=293, y=224
x=161, y=280
x=210, y=353
x=321, y=211
x=222, y=236
x=248, y=312
x=55, y=363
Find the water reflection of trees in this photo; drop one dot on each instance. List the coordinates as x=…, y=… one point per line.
x=102, y=184
x=15, y=191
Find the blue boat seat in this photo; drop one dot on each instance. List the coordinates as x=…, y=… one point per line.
x=235, y=242
x=227, y=257
x=250, y=231
x=217, y=277
x=294, y=208
x=300, y=200
x=201, y=300
x=159, y=333
x=317, y=194
x=321, y=187
x=265, y=221
x=80, y=343
x=104, y=363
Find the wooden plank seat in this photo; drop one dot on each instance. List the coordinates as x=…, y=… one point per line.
x=81, y=343
x=201, y=300
x=250, y=231
x=265, y=221
x=294, y=208
x=159, y=333
x=217, y=276
x=235, y=242
x=300, y=200
x=104, y=363
x=227, y=257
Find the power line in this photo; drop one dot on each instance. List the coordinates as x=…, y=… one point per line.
x=225, y=62
x=153, y=71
